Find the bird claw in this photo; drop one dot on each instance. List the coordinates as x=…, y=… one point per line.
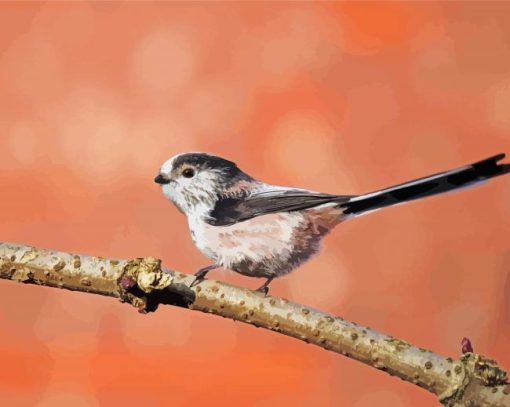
x=264, y=288
x=199, y=277
x=200, y=274
x=196, y=281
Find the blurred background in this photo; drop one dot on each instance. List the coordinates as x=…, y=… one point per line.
x=336, y=97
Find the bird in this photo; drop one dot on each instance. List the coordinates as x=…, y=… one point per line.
x=267, y=231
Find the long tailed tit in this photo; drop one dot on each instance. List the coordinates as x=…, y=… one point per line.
x=263, y=230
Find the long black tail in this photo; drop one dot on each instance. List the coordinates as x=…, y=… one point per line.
x=428, y=186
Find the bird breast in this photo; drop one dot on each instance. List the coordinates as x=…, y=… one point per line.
x=265, y=245
x=257, y=238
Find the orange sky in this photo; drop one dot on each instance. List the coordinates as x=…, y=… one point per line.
x=338, y=97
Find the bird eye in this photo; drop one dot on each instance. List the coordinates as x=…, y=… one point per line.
x=188, y=173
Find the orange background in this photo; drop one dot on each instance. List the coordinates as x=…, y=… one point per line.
x=338, y=97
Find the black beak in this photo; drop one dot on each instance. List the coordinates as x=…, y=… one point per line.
x=160, y=179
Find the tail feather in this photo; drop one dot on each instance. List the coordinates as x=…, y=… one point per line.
x=432, y=185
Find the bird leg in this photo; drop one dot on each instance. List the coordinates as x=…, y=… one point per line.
x=200, y=274
x=264, y=289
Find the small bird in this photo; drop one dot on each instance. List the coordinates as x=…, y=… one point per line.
x=262, y=230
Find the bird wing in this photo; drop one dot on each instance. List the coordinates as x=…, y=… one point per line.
x=231, y=209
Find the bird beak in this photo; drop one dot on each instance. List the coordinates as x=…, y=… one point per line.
x=160, y=179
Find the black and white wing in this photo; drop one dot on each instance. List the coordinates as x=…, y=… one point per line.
x=271, y=199
x=229, y=210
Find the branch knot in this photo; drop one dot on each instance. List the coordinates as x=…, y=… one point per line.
x=486, y=370
x=476, y=368
x=142, y=276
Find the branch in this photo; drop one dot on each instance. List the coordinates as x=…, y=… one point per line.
x=471, y=380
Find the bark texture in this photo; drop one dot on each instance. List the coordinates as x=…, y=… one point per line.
x=471, y=380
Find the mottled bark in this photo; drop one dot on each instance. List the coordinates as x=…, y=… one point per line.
x=470, y=380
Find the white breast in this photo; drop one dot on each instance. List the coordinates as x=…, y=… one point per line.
x=264, y=238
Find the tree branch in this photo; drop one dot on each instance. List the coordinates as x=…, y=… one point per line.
x=471, y=380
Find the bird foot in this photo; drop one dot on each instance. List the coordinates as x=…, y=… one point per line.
x=200, y=274
x=264, y=288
